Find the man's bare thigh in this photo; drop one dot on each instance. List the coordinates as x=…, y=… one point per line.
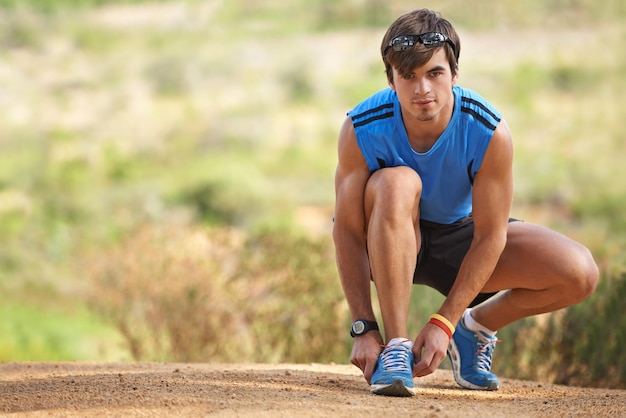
x=534, y=257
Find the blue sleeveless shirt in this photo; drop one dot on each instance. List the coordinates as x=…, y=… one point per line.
x=447, y=170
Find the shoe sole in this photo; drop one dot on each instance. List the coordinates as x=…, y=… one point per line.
x=454, y=355
x=397, y=388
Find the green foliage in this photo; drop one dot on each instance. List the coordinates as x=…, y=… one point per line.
x=333, y=14
x=34, y=332
x=292, y=297
x=96, y=39
x=558, y=77
x=22, y=31
x=538, y=14
x=298, y=85
x=56, y=6
x=609, y=208
x=220, y=202
x=189, y=294
x=167, y=75
x=583, y=345
x=164, y=290
x=590, y=341
x=318, y=15
x=424, y=302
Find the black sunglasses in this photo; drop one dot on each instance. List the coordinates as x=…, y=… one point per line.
x=428, y=39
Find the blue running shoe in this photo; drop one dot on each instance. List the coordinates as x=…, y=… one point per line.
x=393, y=375
x=470, y=354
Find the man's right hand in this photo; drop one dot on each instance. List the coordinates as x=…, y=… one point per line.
x=365, y=352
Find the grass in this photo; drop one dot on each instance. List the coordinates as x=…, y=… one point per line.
x=31, y=332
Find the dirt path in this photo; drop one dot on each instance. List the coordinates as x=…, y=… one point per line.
x=282, y=390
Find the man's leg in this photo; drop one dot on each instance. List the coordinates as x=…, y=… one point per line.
x=543, y=271
x=393, y=241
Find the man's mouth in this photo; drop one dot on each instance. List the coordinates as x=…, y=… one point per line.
x=423, y=102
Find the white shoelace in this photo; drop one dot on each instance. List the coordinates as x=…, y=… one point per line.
x=395, y=358
x=484, y=353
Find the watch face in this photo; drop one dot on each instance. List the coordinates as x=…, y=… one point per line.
x=358, y=327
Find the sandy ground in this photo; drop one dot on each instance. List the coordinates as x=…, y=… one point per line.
x=282, y=390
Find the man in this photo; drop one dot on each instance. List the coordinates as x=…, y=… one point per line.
x=424, y=186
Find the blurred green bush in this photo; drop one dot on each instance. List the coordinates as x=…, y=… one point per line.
x=181, y=293
x=584, y=345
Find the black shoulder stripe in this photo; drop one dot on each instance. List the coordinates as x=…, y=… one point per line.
x=479, y=117
x=372, y=119
x=482, y=106
x=373, y=110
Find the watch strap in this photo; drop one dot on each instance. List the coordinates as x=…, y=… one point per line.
x=369, y=326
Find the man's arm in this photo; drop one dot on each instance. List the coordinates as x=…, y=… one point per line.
x=349, y=234
x=491, y=200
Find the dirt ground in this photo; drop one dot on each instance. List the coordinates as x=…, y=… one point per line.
x=281, y=390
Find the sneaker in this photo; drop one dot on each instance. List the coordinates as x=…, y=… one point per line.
x=393, y=375
x=470, y=354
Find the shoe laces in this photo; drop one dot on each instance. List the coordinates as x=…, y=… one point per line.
x=486, y=346
x=395, y=358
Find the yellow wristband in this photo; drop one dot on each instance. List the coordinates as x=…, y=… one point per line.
x=444, y=320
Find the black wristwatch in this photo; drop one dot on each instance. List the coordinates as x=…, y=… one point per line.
x=362, y=326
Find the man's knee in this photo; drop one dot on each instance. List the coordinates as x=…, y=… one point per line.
x=394, y=182
x=588, y=274
x=579, y=278
x=396, y=191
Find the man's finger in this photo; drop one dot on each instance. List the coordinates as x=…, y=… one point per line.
x=369, y=369
x=423, y=366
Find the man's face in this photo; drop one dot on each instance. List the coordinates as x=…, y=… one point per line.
x=426, y=90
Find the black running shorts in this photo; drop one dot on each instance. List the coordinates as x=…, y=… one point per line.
x=443, y=249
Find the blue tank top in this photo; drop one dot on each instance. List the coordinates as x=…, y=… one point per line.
x=447, y=170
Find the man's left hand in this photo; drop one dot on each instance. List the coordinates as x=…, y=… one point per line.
x=430, y=348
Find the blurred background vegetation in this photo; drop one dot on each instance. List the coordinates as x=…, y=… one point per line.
x=166, y=173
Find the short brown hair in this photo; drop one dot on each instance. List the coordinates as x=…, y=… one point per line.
x=415, y=23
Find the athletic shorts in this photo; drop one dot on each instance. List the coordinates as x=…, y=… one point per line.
x=443, y=249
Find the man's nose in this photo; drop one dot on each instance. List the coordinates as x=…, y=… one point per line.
x=422, y=86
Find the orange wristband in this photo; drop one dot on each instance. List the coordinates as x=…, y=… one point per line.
x=443, y=323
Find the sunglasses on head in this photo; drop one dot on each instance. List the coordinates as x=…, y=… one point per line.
x=428, y=39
